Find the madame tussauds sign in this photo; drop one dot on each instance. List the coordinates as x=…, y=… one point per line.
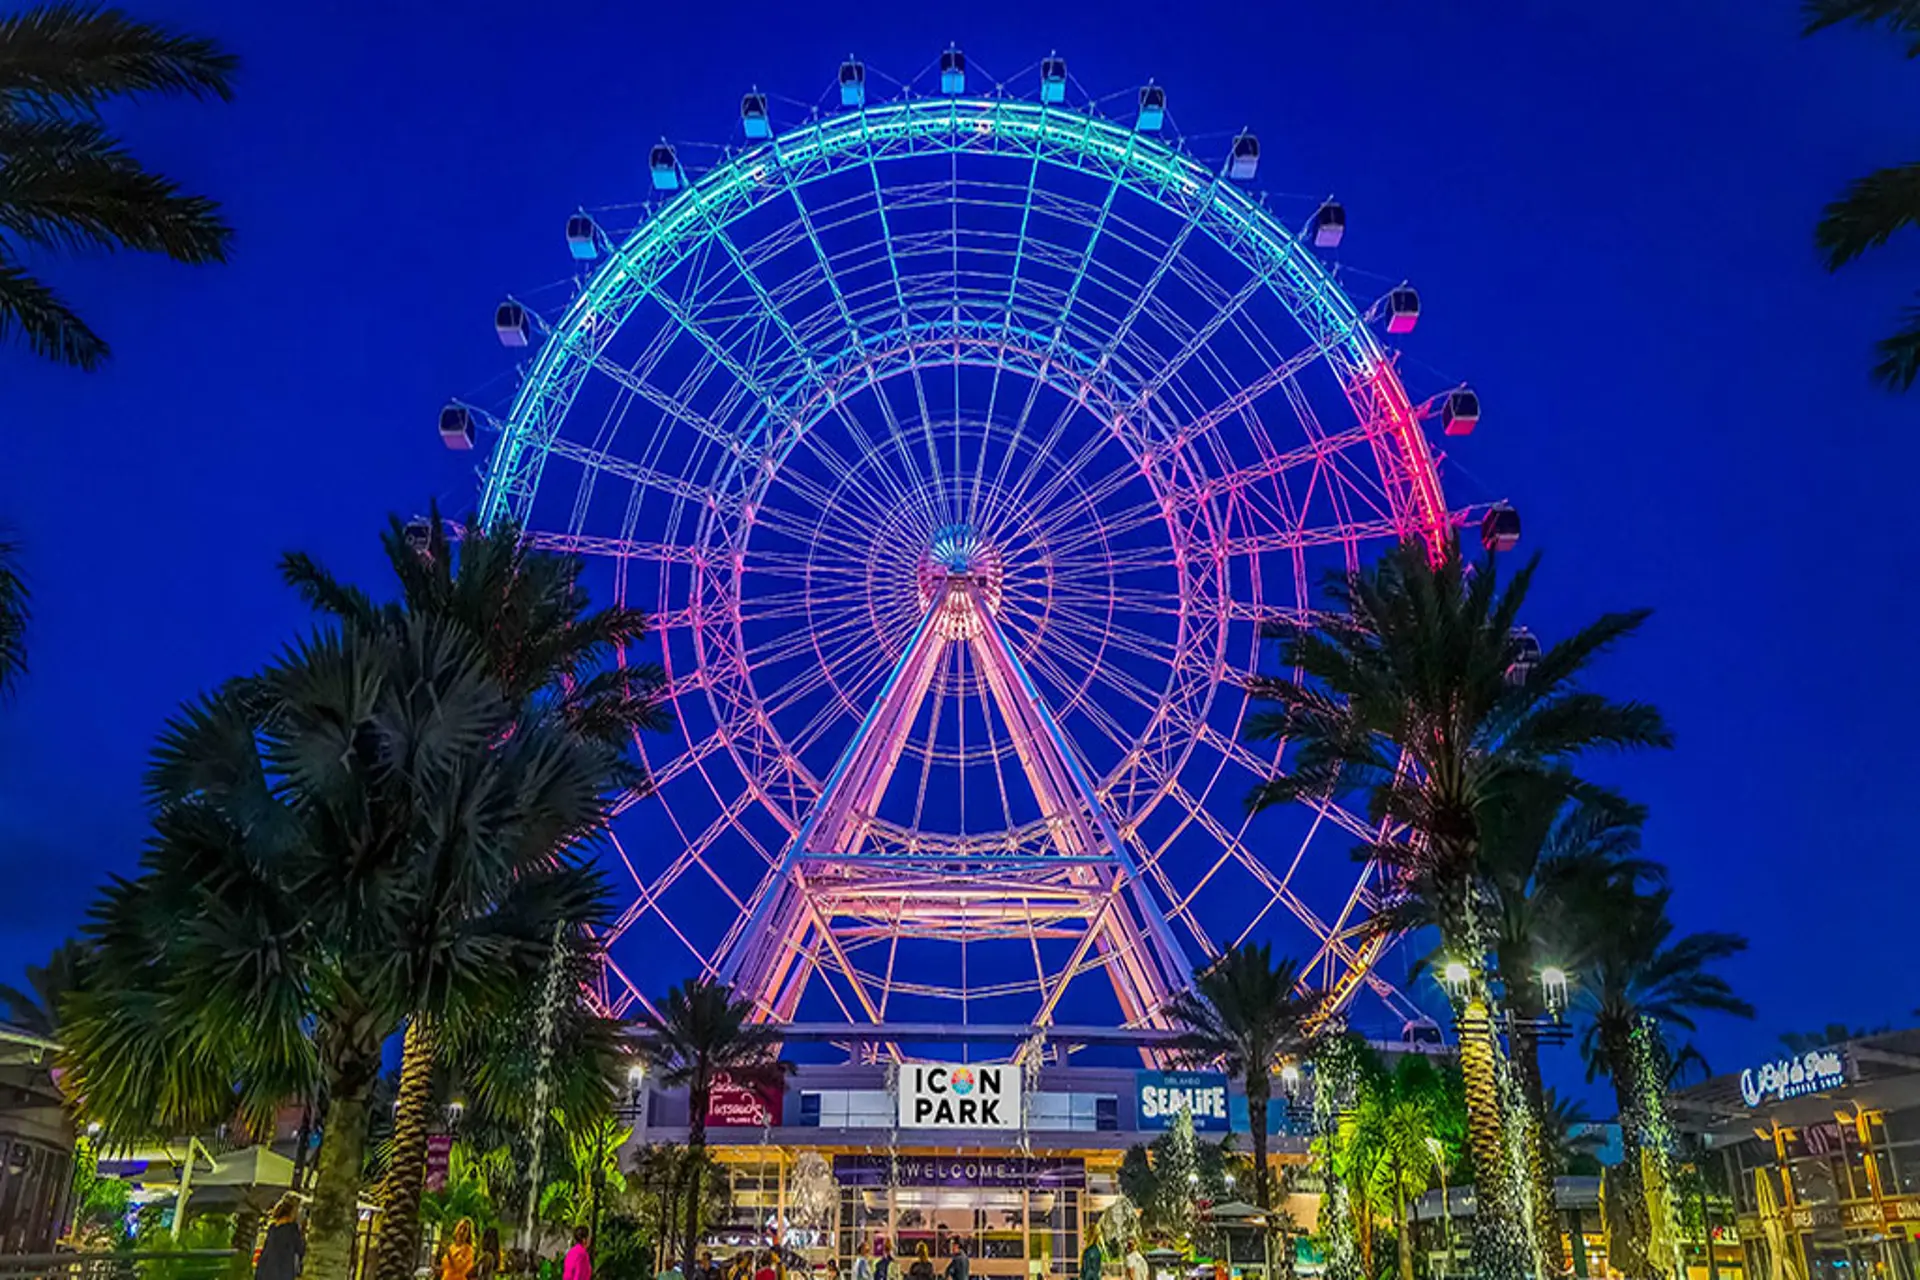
x=943, y=1097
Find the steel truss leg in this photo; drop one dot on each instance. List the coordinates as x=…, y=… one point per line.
x=789, y=931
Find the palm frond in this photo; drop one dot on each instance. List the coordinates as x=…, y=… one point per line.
x=1867, y=216
x=1899, y=362
x=32, y=311
x=80, y=55
x=16, y=611
x=1902, y=17
x=67, y=184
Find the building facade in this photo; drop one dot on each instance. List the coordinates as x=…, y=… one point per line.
x=895, y=1158
x=1821, y=1151
x=36, y=1146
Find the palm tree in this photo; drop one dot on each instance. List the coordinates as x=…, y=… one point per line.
x=1568, y=1137
x=700, y=1031
x=66, y=183
x=1412, y=700
x=1387, y=1145
x=529, y=615
x=16, y=608
x=1547, y=860
x=1883, y=202
x=1639, y=983
x=1252, y=1015
x=1801, y=1042
x=1544, y=857
x=277, y=933
x=36, y=1009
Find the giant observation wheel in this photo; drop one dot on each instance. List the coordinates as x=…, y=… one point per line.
x=958, y=446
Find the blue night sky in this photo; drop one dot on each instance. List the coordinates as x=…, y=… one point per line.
x=1607, y=210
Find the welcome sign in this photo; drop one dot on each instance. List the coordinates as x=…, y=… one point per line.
x=935, y=1096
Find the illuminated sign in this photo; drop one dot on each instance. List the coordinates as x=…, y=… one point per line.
x=745, y=1104
x=1037, y=1172
x=1160, y=1096
x=946, y=1097
x=1811, y=1072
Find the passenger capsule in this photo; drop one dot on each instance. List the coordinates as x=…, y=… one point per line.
x=953, y=72
x=1153, y=109
x=853, y=83
x=1403, y=310
x=1053, y=80
x=1329, y=225
x=754, y=121
x=1500, y=528
x=456, y=427
x=665, y=167
x=1243, y=162
x=1524, y=655
x=511, y=323
x=1461, y=412
x=583, y=238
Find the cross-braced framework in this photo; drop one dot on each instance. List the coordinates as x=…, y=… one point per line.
x=959, y=447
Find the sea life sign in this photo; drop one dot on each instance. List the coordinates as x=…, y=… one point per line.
x=939, y=1096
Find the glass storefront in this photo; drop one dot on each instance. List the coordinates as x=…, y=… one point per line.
x=1014, y=1215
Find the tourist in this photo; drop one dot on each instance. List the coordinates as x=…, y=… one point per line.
x=1092, y=1260
x=285, y=1248
x=922, y=1268
x=578, y=1264
x=958, y=1264
x=767, y=1270
x=487, y=1262
x=456, y=1263
x=1136, y=1261
x=863, y=1261
x=883, y=1265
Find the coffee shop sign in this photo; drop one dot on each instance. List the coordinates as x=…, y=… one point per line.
x=1811, y=1072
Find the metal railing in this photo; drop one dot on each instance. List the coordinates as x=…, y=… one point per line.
x=168, y=1264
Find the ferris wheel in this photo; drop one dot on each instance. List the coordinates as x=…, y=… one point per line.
x=959, y=445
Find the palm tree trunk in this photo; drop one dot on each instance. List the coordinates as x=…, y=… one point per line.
x=1546, y=1223
x=697, y=1097
x=1259, y=1090
x=1656, y=1144
x=1403, y=1223
x=349, y=1070
x=1259, y=1093
x=397, y=1249
x=1500, y=1250
x=1628, y=1226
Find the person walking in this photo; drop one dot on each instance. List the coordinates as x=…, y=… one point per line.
x=1136, y=1263
x=578, y=1264
x=487, y=1263
x=863, y=1261
x=285, y=1249
x=883, y=1265
x=456, y=1261
x=1092, y=1259
x=958, y=1264
x=922, y=1268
